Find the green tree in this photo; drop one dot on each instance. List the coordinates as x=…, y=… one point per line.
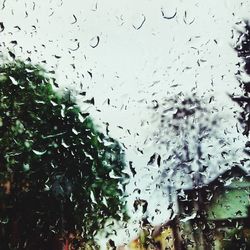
x=58, y=174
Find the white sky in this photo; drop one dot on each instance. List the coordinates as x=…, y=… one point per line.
x=131, y=67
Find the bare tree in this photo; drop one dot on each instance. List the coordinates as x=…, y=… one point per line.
x=191, y=139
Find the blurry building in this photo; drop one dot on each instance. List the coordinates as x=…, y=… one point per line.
x=216, y=215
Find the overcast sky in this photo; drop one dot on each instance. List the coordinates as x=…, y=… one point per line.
x=127, y=52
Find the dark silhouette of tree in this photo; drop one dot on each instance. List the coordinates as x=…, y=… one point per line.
x=243, y=49
x=59, y=175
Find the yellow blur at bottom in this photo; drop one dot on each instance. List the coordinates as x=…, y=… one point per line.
x=160, y=242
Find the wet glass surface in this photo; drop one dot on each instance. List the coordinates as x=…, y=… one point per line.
x=124, y=124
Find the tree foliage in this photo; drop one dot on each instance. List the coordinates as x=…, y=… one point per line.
x=59, y=175
x=243, y=50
